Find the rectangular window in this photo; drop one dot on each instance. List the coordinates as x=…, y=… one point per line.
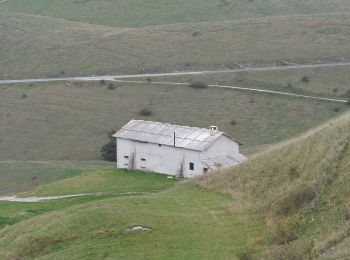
x=191, y=166
x=205, y=170
x=126, y=157
x=143, y=159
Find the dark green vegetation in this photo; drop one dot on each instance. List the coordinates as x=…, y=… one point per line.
x=109, y=150
x=17, y=176
x=70, y=121
x=300, y=190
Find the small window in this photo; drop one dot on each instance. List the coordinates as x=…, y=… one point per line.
x=159, y=145
x=126, y=157
x=191, y=166
x=143, y=159
x=205, y=170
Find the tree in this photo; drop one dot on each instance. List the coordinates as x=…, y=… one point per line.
x=109, y=151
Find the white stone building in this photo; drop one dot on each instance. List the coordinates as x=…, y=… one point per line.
x=181, y=151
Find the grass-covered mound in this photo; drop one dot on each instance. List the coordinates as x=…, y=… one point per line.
x=300, y=189
x=185, y=222
x=111, y=181
x=16, y=176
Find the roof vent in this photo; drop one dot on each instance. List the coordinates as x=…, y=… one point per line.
x=213, y=129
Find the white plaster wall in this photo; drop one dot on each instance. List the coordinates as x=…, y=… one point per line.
x=162, y=159
x=222, y=146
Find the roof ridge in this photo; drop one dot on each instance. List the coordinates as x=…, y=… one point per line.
x=169, y=124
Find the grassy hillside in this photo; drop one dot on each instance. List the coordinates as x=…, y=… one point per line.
x=289, y=202
x=108, y=183
x=17, y=176
x=137, y=13
x=185, y=222
x=327, y=82
x=39, y=46
x=114, y=181
x=66, y=121
x=300, y=189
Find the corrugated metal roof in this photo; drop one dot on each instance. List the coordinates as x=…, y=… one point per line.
x=187, y=137
x=224, y=161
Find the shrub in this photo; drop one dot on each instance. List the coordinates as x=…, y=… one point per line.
x=62, y=72
x=102, y=81
x=145, y=112
x=293, y=173
x=198, y=85
x=283, y=232
x=194, y=34
x=24, y=96
x=335, y=90
x=301, y=249
x=233, y=122
x=149, y=80
x=289, y=85
x=295, y=200
x=111, y=86
x=305, y=79
x=109, y=151
x=336, y=109
x=347, y=93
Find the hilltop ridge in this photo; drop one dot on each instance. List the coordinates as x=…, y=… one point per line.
x=299, y=189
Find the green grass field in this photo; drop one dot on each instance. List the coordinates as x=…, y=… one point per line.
x=112, y=181
x=90, y=110
x=139, y=13
x=40, y=46
x=324, y=82
x=185, y=222
x=17, y=176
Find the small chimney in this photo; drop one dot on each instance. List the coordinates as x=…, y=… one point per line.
x=213, y=129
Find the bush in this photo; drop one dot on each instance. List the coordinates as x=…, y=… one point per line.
x=347, y=93
x=293, y=173
x=111, y=86
x=305, y=79
x=295, y=201
x=283, y=232
x=194, y=34
x=102, y=81
x=301, y=249
x=145, y=112
x=198, y=85
x=109, y=151
x=233, y=122
x=24, y=96
x=336, y=109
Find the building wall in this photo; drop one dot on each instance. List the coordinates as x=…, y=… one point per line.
x=154, y=158
x=222, y=146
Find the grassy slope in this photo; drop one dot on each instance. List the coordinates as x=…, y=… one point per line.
x=138, y=13
x=16, y=176
x=186, y=222
x=300, y=189
x=39, y=46
x=112, y=182
x=90, y=111
x=328, y=82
